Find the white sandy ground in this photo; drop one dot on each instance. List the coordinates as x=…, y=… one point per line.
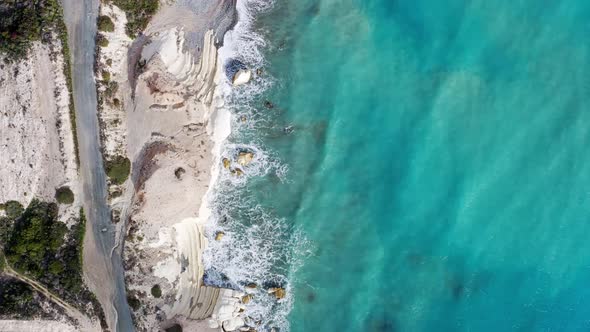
x=36, y=326
x=36, y=142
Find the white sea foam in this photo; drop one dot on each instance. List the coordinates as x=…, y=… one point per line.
x=257, y=246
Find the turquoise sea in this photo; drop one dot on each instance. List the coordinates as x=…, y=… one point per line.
x=437, y=163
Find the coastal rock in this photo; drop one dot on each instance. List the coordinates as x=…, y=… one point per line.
x=237, y=172
x=219, y=236
x=244, y=158
x=246, y=298
x=233, y=324
x=279, y=293
x=251, y=285
x=268, y=104
x=242, y=76
x=226, y=163
x=213, y=324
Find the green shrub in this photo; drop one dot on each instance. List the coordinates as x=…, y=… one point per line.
x=138, y=12
x=13, y=209
x=105, y=24
x=111, y=88
x=101, y=40
x=2, y=262
x=40, y=246
x=106, y=76
x=64, y=195
x=118, y=169
x=156, y=291
x=36, y=235
x=133, y=302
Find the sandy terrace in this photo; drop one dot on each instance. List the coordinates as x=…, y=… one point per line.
x=36, y=142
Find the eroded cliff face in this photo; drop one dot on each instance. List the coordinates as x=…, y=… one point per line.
x=166, y=97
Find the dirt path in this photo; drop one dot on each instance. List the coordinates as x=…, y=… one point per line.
x=85, y=323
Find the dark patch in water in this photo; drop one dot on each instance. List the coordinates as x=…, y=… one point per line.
x=268, y=104
x=212, y=277
x=313, y=9
x=381, y=324
x=288, y=129
x=319, y=131
x=457, y=288
x=279, y=282
x=232, y=67
x=385, y=326
x=310, y=297
x=415, y=259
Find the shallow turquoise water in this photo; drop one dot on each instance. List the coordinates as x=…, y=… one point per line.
x=438, y=164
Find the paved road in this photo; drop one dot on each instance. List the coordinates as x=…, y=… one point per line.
x=103, y=272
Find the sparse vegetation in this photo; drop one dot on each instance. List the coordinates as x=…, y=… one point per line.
x=64, y=195
x=118, y=169
x=24, y=21
x=139, y=13
x=111, y=88
x=105, y=23
x=106, y=76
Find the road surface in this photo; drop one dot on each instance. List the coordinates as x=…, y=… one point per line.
x=103, y=272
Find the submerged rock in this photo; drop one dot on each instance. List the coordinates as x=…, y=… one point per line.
x=237, y=172
x=288, y=129
x=226, y=163
x=244, y=158
x=279, y=293
x=268, y=104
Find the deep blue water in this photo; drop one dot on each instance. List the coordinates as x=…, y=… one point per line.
x=438, y=164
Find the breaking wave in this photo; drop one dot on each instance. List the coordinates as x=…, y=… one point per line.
x=257, y=247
